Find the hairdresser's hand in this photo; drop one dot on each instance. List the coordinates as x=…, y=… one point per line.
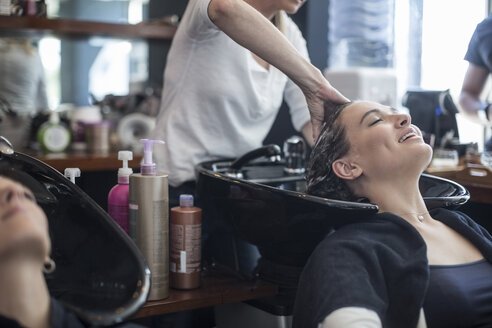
x=316, y=104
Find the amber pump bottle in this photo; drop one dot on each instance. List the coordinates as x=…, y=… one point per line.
x=186, y=238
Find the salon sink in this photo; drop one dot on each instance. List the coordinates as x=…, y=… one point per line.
x=100, y=273
x=265, y=206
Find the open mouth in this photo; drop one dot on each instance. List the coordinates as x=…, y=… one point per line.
x=407, y=135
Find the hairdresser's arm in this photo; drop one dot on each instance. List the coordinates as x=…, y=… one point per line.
x=472, y=87
x=307, y=133
x=249, y=28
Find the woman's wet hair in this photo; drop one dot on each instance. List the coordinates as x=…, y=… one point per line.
x=332, y=144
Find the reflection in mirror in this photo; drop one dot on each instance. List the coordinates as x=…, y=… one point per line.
x=96, y=66
x=41, y=73
x=22, y=87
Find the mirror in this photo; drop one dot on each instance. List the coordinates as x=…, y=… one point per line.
x=49, y=71
x=39, y=72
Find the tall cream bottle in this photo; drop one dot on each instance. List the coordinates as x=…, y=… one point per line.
x=149, y=220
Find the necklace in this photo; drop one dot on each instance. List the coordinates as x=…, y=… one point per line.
x=420, y=216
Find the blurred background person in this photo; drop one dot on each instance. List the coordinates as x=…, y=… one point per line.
x=479, y=56
x=22, y=88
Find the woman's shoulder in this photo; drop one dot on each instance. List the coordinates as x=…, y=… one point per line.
x=372, y=224
x=196, y=23
x=373, y=232
x=459, y=221
x=452, y=216
x=485, y=26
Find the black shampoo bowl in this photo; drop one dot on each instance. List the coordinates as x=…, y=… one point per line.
x=268, y=208
x=100, y=273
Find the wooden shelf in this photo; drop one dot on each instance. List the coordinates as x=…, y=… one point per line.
x=87, y=162
x=72, y=27
x=216, y=289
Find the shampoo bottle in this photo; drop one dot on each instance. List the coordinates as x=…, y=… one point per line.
x=118, y=195
x=186, y=239
x=149, y=220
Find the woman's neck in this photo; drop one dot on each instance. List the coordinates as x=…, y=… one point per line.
x=24, y=297
x=402, y=198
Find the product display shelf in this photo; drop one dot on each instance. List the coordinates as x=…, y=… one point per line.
x=87, y=162
x=73, y=27
x=215, y=289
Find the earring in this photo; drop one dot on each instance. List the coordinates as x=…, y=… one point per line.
x=49, y=266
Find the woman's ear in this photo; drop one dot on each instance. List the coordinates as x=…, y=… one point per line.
x=346, y=170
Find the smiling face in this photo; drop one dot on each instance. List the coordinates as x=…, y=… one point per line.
x=23, y=224
x=383, y=142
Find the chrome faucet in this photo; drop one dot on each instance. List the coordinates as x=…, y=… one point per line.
x=295, y=154
x=271, y=151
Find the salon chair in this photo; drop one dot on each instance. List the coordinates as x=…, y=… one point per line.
x=100, y=274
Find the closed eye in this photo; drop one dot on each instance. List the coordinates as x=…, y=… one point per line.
x=375, y=122
x=29, y=196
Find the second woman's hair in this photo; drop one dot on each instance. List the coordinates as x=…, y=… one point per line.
x=279, y=21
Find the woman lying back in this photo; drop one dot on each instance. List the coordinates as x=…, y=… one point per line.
x=24, y=259
x=404, y=266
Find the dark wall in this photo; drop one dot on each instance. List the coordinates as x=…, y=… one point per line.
x=158, y=49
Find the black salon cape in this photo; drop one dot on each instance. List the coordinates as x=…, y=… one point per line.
x=380, y=264
x=60, y=318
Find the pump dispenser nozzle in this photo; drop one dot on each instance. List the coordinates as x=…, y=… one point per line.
x=72, y=173
x=186, y=200
x=148, y=167
x=124, y=172
x=54, y=117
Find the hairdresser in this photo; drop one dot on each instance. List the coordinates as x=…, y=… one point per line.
x=231, y=64
x=22, y=88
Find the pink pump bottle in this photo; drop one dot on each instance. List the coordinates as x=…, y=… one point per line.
x=118, y=195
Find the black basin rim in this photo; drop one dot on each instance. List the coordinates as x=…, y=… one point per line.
x=461, y=197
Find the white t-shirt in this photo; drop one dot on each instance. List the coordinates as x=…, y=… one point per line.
x=218, y=102
x=22, y=81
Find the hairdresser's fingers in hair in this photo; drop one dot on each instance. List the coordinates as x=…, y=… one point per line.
x=327, y=99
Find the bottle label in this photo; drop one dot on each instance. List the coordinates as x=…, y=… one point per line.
x=55, y=138
x=185, y=248
x=132, y=221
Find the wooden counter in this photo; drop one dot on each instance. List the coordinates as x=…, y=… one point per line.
x=216, y=289
x=474, y=177
x=87, y=162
